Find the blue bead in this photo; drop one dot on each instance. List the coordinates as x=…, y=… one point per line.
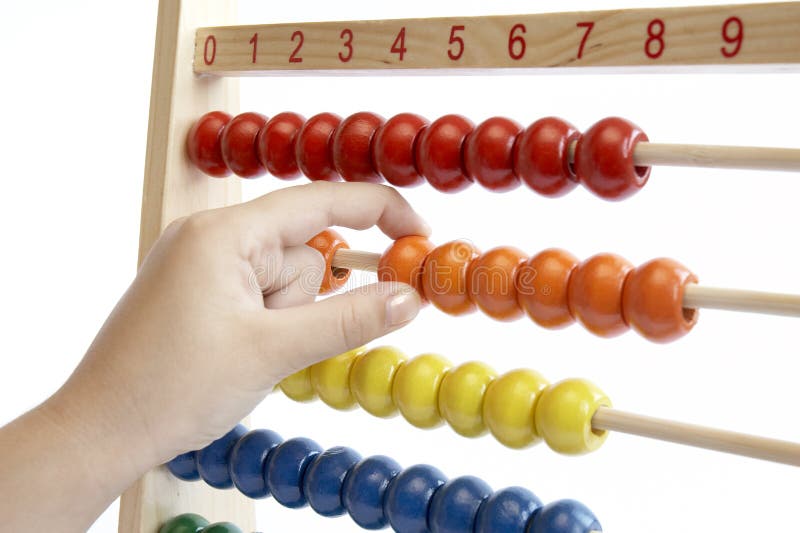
x=184, y=467
x=248, y=459
x=364, y=490
x=409, y=497
x=507, y=511
x=286, y=467
x=563, y=516
x=455, y=506
x=213, y=460
x=322, y=483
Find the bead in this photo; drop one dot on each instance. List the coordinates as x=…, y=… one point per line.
x=204, y=144
x=276, y=143
x=184, y=523
x=248, y=460
x=507, y=511
x=652, y=300
x=213, y=461
x=416, y=389
x=331, y=379
x=489, y=154
x=313, y=150
x=541, y=157
x=444, y=277
x=364, y=490
x=492, y=282
x=438, y=154
x=461, y=397
x=352, y=147
x=404, y=261
x=327, y=242
x=322, y=482
x=409, y=497
x=595, y=294
x=454, y=507
x=542, y=285
x=564, y=416
x=239, y=144
x=221, y=527
x=371, y=380
x=298, y=386
x=564, y=516
x=604, y=159
x=509, y=407
x=184, y=466
x=286, y=467
x=393, y=149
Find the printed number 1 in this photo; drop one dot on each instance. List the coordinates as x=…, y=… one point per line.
x=588, y=26
x=254, y=42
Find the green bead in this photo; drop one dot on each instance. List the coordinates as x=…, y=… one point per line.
x=184, y=523
x=221, y=527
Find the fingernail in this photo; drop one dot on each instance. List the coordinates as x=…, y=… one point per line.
x=402, y=308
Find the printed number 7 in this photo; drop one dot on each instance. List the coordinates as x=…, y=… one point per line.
x=588, y=26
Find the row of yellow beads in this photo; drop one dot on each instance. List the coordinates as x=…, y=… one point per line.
x=519, y=408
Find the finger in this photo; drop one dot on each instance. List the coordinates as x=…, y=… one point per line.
x=298, y=279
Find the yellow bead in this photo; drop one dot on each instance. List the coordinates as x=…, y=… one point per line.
x=331, y=379
x=509, y=407
x=416, y=389
x=298, y=386
x=564, y=416
x=461, y=397
x=371, y=380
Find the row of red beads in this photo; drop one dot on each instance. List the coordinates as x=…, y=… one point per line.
x=450, y=153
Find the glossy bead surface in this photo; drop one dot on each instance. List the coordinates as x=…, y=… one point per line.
x=509, y=407
x=439, y=152
x=204, y=144
x=564, y=516
x=249, y=459
x=541, y=157
x=239, y=144
x=604, y=159
x=322, y=482
x=454, y=507
x=326, y=243
x=184, y=523
x=213, y=461
x=461, y=397
x=507, y=511
x=564, y=416
x=492, y=282
x=314, y=147
x=286, y=467
x=221, y=527
x=652, y=300
x=489, y=154
x=444, y=277
x=276, y=143
x=393, y=149
x=372, y=378
x=416, y=389
x=409, y=497
x=595, y=294
x=404, y=261
x=331, y=379
x=352, y=147
x=364, y=490
x=298, y=386
x=184, y=466
x=542, y=287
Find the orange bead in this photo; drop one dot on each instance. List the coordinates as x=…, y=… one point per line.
x=492, y=282
x=404, y=260
x=326, y=243
x=652, y=300
x=595, y=294
x=542, y=284
x=444, y=278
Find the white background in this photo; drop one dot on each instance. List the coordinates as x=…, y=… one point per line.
x=75, y=91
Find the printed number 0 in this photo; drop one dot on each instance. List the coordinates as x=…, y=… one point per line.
x=735, y=39
x=213, y=42
x=655, y=34
x=346, y=34
x=516, y=40
x=455, y=56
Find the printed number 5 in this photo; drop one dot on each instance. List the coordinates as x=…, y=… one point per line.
x=455, y=56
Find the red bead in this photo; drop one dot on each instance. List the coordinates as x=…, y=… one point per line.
x=313, y=150
x=604, y=159
x=352, y=147
x=439, y=153
x=393, y=149
x=239, y=144
x=541, y=157
x=204, y=145
x=489, y=154
x=276, y=143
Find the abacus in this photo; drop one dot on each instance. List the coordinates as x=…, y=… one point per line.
x=195, y=137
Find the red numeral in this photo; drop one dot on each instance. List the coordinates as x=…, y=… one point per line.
x=346, y=34
x=735, y=39
x=455, y=56
x=254, y=42
x=655, y=34
x=210, y=40
x=588, y=26
x=399, y=45
x=516, y=41
x=294, y=58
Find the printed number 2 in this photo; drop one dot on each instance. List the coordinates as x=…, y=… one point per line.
x=294, y=58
